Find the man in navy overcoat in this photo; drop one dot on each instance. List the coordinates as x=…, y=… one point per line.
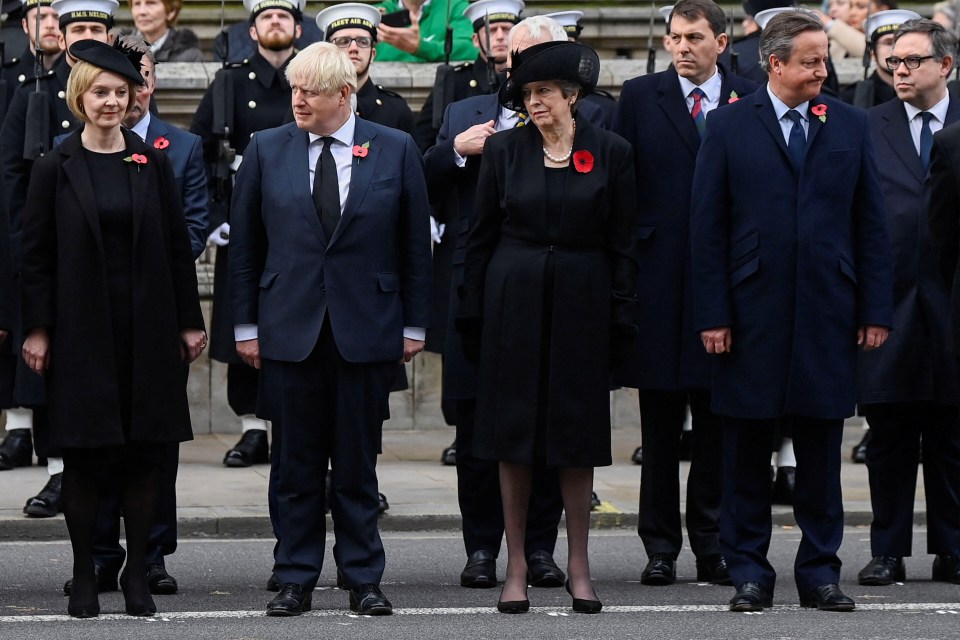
x=791, y=268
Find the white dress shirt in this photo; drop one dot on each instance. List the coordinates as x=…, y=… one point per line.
x=939, y=112
x=786, y=124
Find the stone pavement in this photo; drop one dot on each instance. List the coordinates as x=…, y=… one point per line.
x=218, y=501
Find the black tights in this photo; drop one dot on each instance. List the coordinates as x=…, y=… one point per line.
x=135, y=470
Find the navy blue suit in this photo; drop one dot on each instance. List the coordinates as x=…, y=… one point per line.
x=668, y=363
x=794, y=261
x=330, y=314
x=909, y=390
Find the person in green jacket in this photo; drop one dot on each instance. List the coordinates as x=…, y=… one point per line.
x=422, y=40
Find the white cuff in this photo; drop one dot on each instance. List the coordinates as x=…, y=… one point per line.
x=415, y=333
x=244, y=332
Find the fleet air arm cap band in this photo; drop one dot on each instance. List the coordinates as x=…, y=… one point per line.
x=348, y=15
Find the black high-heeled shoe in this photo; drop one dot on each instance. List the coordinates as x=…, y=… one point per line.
x=143, y=604
x=584, y=606
x=84, y=602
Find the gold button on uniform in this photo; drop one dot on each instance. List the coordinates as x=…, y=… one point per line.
x=61, y=94
x=252, y=75
x=65, y=124
x=473, y=83
x=21, y=78
x=252, y=104
x=379, y=102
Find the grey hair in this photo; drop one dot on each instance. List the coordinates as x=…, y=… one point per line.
x=567, y=89
x=943, y=42
x=538, y=29
x=777, y=37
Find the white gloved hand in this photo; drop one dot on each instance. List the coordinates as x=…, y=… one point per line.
x=436, y=230
x=220, y=235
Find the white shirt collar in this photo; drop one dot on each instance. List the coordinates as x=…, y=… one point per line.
x=141, y=127
x=343, y=135
x=938, y=110
x=780, y=108
x=710, y=86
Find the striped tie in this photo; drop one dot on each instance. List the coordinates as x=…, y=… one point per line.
x=696, y=113
x=521, y=119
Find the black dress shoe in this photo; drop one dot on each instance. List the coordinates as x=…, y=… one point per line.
x=480, y=572
x=16, y=450
x=660, y=571
x=713, y=569
x=136, y=596
x=859, y=453
x=382, y=504
x=449, y=455
x=637, y=456
x=106, y=581
x=751, y=597
x=368, y=600
x=594, y=501
x=783, y=486
x=47, y=503
x=251, y=449
x=160, y=582
x=291, y=601
x=84, y=602
x=686, y=445
x=882, y=571
x=946, y=569
x=272, y=584
x=542, y=571
x=828, y=597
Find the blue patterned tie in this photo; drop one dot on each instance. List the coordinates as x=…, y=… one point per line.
x=926, y=139
x=797, y=144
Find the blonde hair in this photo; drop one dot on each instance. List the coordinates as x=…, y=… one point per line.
x=322, y=67
x=82, y=77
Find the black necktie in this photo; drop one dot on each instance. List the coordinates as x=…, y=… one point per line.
x=797, y=145
x=326, y=190
x=926, y=139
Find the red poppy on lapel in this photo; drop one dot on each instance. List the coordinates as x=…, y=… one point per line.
x=583, y=161
x=733, y=97
x=137, y=159
x=361, y=150
x=819, y=110
x=161, y=143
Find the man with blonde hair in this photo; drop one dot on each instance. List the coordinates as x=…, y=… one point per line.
x=330, y=271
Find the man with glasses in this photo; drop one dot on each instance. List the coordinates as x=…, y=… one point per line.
x=352, y=26
x=910, y=389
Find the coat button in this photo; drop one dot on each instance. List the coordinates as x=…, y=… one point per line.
x=252, y=104
x=379, y=102
x=65, y=124
x=61, y=94
x=21, y=78
x=252, y=75
x=473, y=83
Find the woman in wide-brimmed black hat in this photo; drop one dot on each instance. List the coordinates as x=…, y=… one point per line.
x=111, y=314
x=548, y=299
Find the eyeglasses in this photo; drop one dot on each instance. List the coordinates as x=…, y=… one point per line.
x=364, y=42
x=912, y=62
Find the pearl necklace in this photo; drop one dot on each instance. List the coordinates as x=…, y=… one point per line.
x=562, y=159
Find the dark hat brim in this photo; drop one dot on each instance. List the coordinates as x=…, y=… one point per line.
x=104, y=56
x=550, y=61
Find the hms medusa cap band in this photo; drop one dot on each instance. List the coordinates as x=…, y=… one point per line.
x=256, y=7
x=101, y=11
x=348, y=15
x=493, y=10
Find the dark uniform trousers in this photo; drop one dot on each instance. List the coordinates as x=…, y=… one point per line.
x=329, y=411
x=745, y=520
x=662, y=414
x=893, y=454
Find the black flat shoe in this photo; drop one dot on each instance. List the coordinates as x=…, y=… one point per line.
x=581, y=605
x=543, y=572
x=291, y=601
x=480, y=572
x=827, y=597
x=47, y=503
x=637, y=457
x=137, y=604
x=16, y=450
x=159, y=581
x=660, y=571
x=751, y=597
x=946, y=569
x=83, y=600
x=106, y=581
x=250, y=450
x=449, y=455
x=382, y=504
x=882, y=571
x=713, y=569
x=513, y=606
x=368, y=600
x=859, y=453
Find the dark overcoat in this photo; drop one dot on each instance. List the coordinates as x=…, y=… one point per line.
x=942, y=198
x=65, y=290
x=913, y=364
x=594, y=258
x=652, y=115
x=795, y=261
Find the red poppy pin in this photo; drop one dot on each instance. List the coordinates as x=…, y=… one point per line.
x=161, y=143
x=137, y=159
x=583, y=161
x=819, y=110
x=361, y=150
x=733, y=97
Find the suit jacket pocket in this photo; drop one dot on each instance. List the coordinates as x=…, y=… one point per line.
x=645, y=231
x=744, y=271
x=744, y=246
x=267, y=279
x=388, y=183
x=389, y=281
x=847, y=269
x=840, y=154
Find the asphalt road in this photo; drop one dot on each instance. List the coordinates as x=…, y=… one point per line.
x=222, y=596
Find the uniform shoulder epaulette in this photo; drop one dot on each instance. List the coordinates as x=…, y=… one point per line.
x=605, y=94
x=392, y=94
x=49, y=73
x=237, y=65
x=463, y=66
x=10, y=62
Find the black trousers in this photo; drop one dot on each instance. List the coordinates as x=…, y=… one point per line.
x=746, y=522
x=330, y=411
x=893, y=453
x=478, y=491
x=662, y=414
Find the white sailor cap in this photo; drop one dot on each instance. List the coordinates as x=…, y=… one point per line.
x=33, y=4
x=569, y=20
x=256, y=7
x=884, y=22
x=86, y=11
x=498, y=10
x=764, y=16
x=348, y=15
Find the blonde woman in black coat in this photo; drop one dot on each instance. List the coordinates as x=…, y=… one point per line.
x=111, y=314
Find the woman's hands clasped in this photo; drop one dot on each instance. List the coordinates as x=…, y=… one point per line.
x=192, y=343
